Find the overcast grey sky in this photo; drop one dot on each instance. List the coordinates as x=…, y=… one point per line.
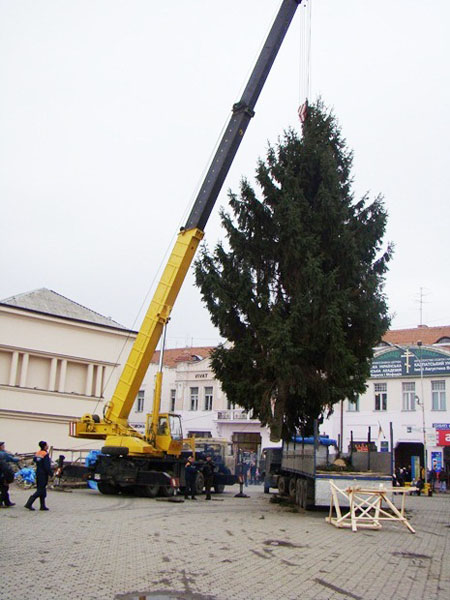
x=110, y=109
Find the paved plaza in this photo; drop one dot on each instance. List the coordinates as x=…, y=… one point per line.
x=96, y=547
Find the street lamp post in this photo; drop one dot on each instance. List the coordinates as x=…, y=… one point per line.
x=419, y=343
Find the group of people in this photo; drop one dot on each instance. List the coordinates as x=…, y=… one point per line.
x=401, y=475
x=436, y=479
x=191, y=469
x=249, y=467
x=43, y=473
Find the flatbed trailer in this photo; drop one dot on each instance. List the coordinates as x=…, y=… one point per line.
x=303, y=468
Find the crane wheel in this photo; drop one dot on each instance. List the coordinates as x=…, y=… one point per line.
x=199, y=483
x=219, y=488
x=127, y=490
x=167, y=491
x=115, y=450
x=149, y=491
x=107, y=488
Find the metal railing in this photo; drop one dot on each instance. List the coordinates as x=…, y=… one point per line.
x=234, y=414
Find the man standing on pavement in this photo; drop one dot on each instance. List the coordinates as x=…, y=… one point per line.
x=190, y=474
x=43, y=472
x=6, y=476
x=208, y=474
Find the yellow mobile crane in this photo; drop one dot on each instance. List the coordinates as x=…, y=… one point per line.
x=151, y=462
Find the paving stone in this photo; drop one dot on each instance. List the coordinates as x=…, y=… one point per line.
x=97, y=547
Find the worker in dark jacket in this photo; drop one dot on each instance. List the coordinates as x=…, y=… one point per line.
x=43, y=472
x=208, y=474
x=190, y=473
x=6, y=476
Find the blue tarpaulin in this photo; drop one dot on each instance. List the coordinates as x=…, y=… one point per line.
x=325, y=441
x=28, y=474
x=90, y=460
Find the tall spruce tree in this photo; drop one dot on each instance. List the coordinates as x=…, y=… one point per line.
x=298, y=291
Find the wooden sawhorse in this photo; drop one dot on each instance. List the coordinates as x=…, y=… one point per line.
x=366, y=507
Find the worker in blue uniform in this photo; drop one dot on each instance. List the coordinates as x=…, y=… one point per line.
x=190, y=473
x=43, y=472
x=6, y=476
x=208, y=473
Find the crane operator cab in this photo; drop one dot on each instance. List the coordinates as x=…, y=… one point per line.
x=169, y=433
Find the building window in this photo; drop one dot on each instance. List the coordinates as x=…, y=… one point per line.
x=208, y=398
x=140, y=401
x=194, y=398
x=172, y=400
x=409, y=395
x=438, y=395
x=199, y=434
x=230, y=405
x=353, y=406
x=381, y=396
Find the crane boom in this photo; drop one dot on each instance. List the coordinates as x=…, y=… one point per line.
x=116, y=412
x=242, y=112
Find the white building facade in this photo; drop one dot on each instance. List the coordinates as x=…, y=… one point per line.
x=58, y=360
x=406, y=407
x=191, y=390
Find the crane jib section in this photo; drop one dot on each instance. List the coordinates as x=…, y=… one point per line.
x=243, y=111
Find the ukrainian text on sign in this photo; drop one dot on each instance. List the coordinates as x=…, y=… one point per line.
x=402, y=363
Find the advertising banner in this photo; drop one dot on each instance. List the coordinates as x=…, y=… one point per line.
x=436, y=461
x=415, y=467
x=443, y=437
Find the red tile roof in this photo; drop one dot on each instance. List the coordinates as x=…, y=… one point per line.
x=173, y=356
x=424, y=334
x=403, y=337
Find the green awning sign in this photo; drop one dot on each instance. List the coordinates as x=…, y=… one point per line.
x=410, y=362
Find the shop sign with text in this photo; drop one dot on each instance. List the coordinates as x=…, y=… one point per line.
x=363, y=447
x=443, y=437
x=410, y=362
